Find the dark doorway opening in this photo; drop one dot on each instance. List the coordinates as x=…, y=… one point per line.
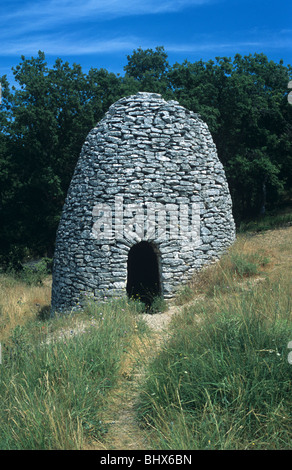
x=143, y=273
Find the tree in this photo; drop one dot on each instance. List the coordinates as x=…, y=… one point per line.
x=47, y=131
x=252, y=126
x=245, y=106
x=198, y=87
x=51, y=113
x=45, y=120
x=10, y=250
x=149, y=69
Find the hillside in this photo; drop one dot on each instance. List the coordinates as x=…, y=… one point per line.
x=146, y=395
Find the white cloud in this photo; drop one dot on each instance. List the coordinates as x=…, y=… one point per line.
x=27, y=25
x=66, y=45
x=74, y=44
x=71, y=27
x=69, y=10
x=211, y=46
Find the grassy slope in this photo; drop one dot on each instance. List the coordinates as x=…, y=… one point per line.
x=56, y=374
x=222, y=380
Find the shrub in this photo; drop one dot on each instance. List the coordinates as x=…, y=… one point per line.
x=35, y=273
x=157, y=305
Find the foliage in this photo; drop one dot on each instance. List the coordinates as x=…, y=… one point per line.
x=184, y=294
x=149, y=69
x=158, y=305
x=268, y=222
x=45, y=118
x=35, y=273
x=245, y=105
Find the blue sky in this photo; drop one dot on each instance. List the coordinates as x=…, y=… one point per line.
x=101, y=33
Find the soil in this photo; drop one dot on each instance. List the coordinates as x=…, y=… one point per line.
x=124, y=431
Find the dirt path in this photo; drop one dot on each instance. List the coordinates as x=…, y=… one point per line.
x=124, y=432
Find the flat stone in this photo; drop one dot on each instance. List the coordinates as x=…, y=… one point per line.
x=145, y=151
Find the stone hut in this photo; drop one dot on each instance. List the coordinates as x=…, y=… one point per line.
x=147, y=208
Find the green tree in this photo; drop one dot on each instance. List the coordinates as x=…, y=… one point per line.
x=45, y=119
x=244, y=103
x=52, y=110
x=9, y=183
x=149, y=69
x=253, y=126
x=198, y=86
x=48, y=126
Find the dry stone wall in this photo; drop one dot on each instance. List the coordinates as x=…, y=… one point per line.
x=144, y=152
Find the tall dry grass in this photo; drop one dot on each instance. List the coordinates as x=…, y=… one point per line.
x=56, y=373
x=223, y=381
x=21, y=302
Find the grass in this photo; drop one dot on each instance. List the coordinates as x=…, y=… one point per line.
x=267, y=222
x=223, y=380
x=231, y=368
x=55, y=376
x=237, y=264
x=21, y=302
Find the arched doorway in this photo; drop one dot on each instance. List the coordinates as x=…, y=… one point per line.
x=143, y=273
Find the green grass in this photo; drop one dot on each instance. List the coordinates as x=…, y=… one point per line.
x=158, y=305
x=223, y=381
x=267, y=222
x=234, y=267
x=54, y=382
x=31, y=273
x=184, y=294
x=225, y=275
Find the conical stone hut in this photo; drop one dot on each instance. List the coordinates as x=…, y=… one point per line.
x=148, y=205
